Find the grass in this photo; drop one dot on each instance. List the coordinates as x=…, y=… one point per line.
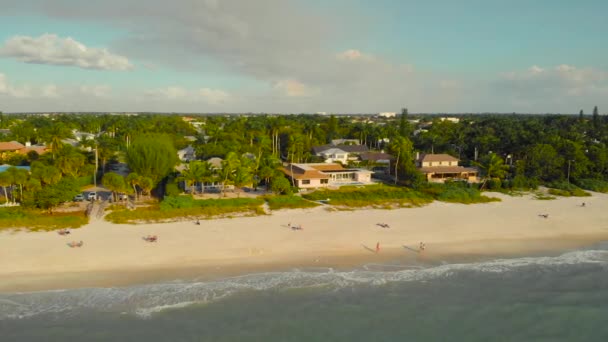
x=387, y=197
x=288, y=202
x=456, y=193
x=36, y=220
x=543, y=197
x=593, y=185
x=180, y=207
x=567, y=190
x=377, y=196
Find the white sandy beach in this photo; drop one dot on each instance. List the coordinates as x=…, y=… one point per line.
x=116, y=254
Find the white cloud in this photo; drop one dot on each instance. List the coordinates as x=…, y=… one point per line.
x=9, y=90
x=352, y=55
x=213, y=96
x=96, y=90
x=170, y=93
x=50, y=91
x=183, y=95
x=292, y=88
x=54, y=50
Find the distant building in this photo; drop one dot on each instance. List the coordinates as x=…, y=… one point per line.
x=339, y=153
x=14, y=147
x=187, y=154
x=454, y=120
x=387, y=114
x=376, y=157
x=319, y=175
x=345, y=142
x=441, y=167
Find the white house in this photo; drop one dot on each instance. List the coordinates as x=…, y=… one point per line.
x=387, y=114
x=318, y=175
x=339, y=153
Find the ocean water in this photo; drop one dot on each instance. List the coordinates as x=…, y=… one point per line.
x=556, y=298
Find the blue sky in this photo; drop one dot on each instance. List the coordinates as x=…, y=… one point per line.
x=291, y=56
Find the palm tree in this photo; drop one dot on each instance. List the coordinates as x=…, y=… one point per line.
x=188, y=177
x=54, y=135
x=5, y=180
x=402, y=149
x=492, y=166
x=18, y=176
x=229, y=166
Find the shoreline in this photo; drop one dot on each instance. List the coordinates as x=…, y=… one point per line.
x=452, y=254
x=114, y=255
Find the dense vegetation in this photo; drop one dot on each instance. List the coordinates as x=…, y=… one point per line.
x=185, y=207
x=34, y=220
x=566, y=152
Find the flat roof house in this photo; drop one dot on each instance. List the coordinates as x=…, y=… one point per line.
x=318, y=175
x=441, y=167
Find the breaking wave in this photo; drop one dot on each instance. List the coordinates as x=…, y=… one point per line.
x=145, y=300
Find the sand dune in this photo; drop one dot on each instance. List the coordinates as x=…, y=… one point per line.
x=116, y=254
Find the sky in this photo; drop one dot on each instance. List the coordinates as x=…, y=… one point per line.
x=303, y=56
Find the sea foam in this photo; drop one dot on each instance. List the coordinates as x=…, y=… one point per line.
x=145, y=300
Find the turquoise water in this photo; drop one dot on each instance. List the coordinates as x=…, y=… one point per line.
x=561, y=298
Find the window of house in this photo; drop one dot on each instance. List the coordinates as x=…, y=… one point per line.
x=324, y=181
x=305, y=181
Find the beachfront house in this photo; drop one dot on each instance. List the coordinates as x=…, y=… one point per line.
x=319, y=175
x=339, y=153
x=438, y=168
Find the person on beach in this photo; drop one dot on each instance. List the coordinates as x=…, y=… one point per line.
x=582, y=205
x=377, y=247
x=422, y=247
x=198, y=223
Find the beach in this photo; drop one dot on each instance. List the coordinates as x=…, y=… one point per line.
x=116, y=255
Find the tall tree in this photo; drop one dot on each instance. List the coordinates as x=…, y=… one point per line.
x=404, y=124
x=152, y=156
x=596, y=118
x=5, y=181
x=18, y=177
x=404, y=166
x=114, y=182
x=133, y=180
x=54, y=135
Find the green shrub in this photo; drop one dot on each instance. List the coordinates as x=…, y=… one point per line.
x=566, y=189
x=37, y=220
x=593, y=185
x=288, y=202
x=372, y=195
x=179, y=207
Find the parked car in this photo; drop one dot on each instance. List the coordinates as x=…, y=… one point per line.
x=123, y=197
x=79, y=198
x=92, y=196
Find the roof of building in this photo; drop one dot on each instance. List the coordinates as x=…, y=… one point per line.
x=447, y=169
x=344, y=141
x=375, y=156
x=437, y=157
x=40, y=149
x=215, y=162
x=345, y=148
x=10, y=146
